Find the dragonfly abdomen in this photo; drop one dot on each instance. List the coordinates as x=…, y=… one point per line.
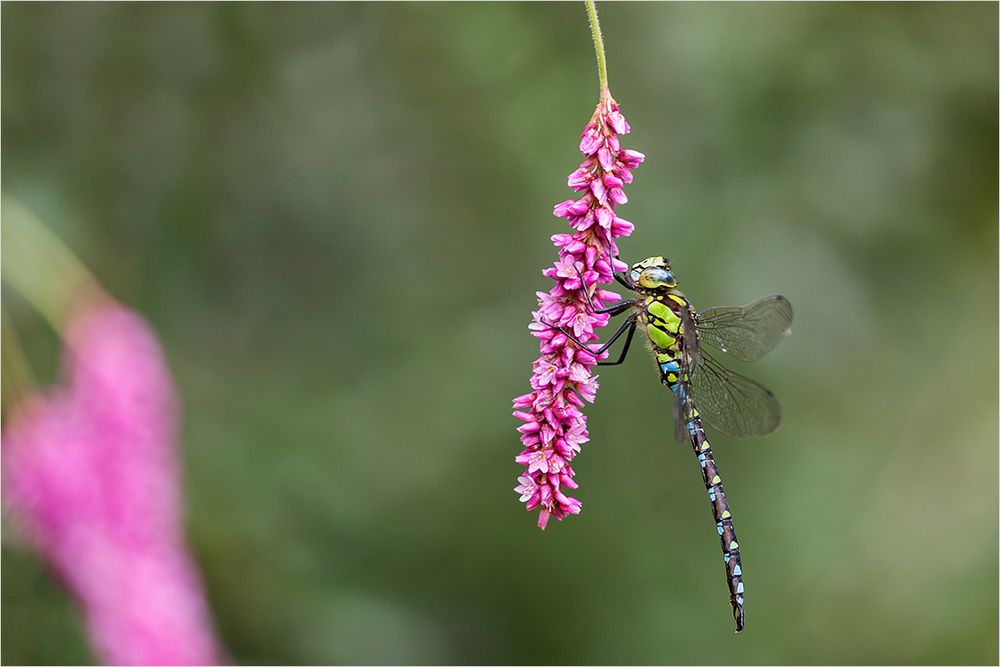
x=723, y=516
x=662, y=316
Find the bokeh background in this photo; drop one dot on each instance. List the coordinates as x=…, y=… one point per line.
x=336, y=216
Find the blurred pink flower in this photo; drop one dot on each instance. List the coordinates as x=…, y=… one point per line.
x=91, y=476
x=554, y=427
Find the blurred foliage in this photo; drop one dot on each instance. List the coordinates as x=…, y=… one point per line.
x=336, y=215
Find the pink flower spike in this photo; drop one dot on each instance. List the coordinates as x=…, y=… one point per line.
x=91, y=476
x=552, y=428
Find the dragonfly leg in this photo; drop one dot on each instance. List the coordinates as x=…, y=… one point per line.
x=615, y=308
x=629, y=322
x=621, y=357
x=621, y=280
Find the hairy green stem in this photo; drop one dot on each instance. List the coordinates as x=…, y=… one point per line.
x=595, y=29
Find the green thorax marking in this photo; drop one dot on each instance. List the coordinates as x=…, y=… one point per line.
x=662, y=317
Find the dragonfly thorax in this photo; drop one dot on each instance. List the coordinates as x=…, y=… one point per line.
x=652, y=275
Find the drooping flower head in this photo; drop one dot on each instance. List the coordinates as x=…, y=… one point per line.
x=554, y=427
x=91, y=477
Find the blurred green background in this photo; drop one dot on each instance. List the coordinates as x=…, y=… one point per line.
x=336, y=216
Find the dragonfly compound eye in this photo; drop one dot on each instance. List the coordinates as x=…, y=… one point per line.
x=656, y=277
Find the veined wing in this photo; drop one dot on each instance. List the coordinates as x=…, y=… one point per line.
x=690, y=338
x=746, y=332
x=732, y=403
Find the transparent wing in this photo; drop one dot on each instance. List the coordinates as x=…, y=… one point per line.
x=690, y=338
x=732, y=403
x=746, y=332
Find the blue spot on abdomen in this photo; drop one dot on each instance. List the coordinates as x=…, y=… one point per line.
x=670, y=367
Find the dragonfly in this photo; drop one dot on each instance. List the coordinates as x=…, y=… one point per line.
x=703, y=389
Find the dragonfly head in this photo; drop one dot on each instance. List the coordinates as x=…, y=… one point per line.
x=653, y=273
